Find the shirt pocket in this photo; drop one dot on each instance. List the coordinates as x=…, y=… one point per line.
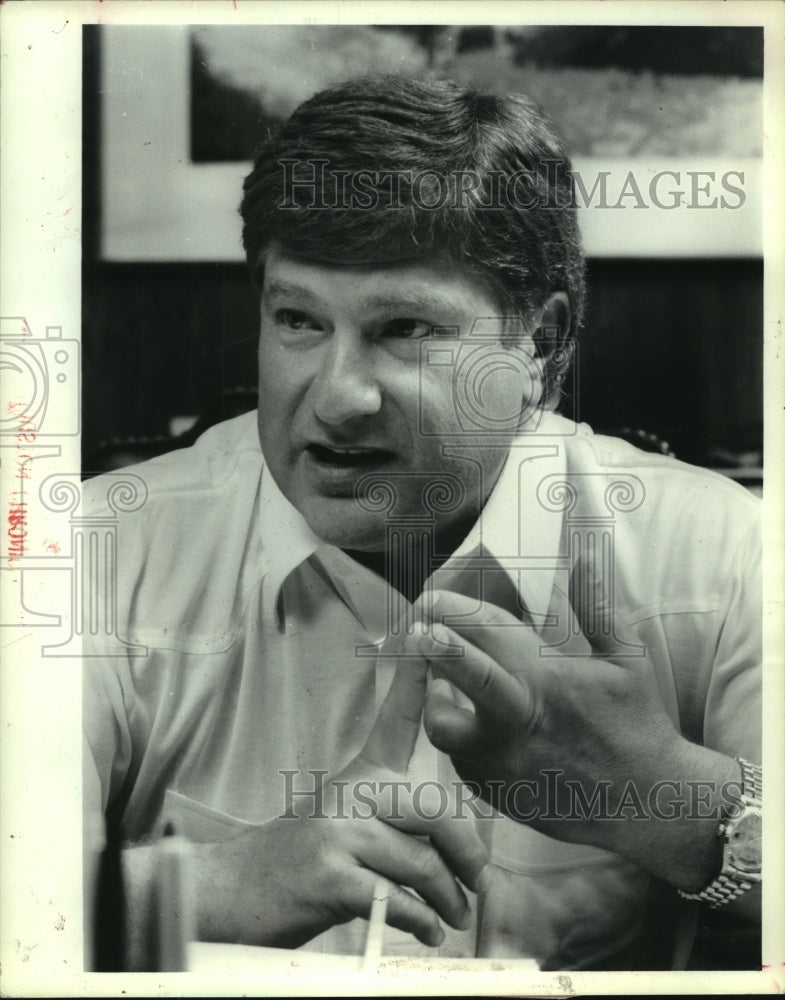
x=199, y=823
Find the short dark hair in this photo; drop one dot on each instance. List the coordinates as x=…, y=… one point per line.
x=523, y=242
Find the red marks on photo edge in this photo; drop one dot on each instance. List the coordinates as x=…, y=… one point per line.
x=16, y=529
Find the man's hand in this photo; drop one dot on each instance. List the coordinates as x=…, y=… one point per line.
x=594, y=719
x=289, y=879
x=599, y=721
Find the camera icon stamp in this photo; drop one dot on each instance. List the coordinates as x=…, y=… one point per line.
x=41, y=381
x=495, y=380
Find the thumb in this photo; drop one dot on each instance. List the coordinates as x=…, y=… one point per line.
x=390, y=743
x=592, y=598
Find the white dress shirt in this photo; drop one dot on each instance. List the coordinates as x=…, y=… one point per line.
x=244, y=628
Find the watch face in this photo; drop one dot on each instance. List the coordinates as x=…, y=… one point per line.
x=745, y=843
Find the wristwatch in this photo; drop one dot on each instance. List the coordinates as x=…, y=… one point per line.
x=740, y=830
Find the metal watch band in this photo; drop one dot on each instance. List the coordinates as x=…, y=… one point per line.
x=751, y=780
x=727, y=887
x=722, y=890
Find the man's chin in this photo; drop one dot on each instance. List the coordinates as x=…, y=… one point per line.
x=340, y=522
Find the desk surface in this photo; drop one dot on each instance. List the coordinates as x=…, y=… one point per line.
x=204, y=957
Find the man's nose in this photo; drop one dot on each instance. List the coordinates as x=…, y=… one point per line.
x=345, y=386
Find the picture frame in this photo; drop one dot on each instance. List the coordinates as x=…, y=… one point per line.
x=142, y=136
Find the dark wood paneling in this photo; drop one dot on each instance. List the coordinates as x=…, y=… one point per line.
x=676, y=347
x=671, y=346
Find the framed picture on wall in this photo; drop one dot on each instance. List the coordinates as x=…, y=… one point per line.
x=659, y=147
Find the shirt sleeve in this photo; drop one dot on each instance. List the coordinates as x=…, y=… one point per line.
x=733, y=710
x=106, y=755
x=106, y=733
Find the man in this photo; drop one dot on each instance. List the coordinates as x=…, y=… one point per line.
x=409, y=622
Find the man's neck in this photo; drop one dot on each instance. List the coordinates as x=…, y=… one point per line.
x=408, y=566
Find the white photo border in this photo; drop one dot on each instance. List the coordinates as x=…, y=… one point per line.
x=41, y=918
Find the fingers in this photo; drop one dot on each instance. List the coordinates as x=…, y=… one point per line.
x=408, y=913
x=459, y=843
x=433, y=809
x=391, y=742
x=440, y=814
x=494, y=631
x=412, y=862
x=453, y=730
x=404, y=910
x=484, y=678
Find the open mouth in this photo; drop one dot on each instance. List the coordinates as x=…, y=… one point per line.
x=348, y=458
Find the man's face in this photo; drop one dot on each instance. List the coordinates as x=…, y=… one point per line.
x=344, y=391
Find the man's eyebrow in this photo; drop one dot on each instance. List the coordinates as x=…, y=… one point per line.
x=430, y=300
x=287, y=289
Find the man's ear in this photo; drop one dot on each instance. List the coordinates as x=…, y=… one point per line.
x=553, y=326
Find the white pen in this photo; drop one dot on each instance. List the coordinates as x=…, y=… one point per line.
x=376, y=923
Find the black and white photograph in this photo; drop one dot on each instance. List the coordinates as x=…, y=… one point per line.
x=392, y=510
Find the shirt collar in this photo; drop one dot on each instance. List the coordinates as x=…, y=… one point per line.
x=515, y=528
x=287, y=540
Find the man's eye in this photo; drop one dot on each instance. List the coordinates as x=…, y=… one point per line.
x=406, y=329
x=294, y=319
